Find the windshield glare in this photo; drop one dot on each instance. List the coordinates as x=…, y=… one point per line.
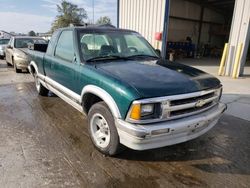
x=116, y=44
x=4, y=41
x=24, y=42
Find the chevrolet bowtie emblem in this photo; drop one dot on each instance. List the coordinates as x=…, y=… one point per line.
x=200, y=103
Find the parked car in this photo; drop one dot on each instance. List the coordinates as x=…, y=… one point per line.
x=130, y=95
x=16, y=51
x=3, y=44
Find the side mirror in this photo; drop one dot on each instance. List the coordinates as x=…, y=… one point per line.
x=158, y=52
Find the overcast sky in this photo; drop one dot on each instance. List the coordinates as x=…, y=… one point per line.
x=21, y=16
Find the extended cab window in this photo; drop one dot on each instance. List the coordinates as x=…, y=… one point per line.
x=65, y=46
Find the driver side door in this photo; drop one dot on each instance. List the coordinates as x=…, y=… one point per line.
x=63, y=64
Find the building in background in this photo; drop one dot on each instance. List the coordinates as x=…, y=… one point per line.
x=185, y=20
x=193, y=28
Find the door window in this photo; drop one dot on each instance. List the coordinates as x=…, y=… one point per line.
x=65, y=46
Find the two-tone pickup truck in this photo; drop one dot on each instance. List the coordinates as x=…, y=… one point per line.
x=130, y=95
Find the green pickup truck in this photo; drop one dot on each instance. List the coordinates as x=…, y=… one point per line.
x=130, y=95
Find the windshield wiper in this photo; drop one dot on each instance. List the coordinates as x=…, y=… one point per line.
x=142, y=55
x=110, y=57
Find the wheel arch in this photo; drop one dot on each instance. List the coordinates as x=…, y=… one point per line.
x=100, y=94
x=33, y=67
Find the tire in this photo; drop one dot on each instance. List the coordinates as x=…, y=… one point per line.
x=15, y=68
x=43, y=91
x=1, y=57
x=7, y=61
x=102, y=129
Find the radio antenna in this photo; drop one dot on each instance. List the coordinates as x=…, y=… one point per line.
x=93, y=6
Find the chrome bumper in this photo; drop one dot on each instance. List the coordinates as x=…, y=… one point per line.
x=142, y=137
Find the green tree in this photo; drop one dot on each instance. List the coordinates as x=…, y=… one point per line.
x=32, y=33
x=68, y=14
x=104, y=20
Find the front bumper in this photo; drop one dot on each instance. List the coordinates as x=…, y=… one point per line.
x=21, y=63
x=142, y=137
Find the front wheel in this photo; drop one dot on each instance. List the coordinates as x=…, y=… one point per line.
x=15, y=67
x=43, y=91
x=102, y=129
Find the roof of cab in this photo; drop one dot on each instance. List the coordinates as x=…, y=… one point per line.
x=103, y=27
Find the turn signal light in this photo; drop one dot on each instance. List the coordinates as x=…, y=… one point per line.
x=136, y=112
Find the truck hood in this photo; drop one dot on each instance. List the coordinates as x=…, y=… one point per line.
x=154, y=78
x=22, y=50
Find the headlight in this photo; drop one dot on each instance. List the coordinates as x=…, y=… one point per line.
x=144, y=111
x=147, y=109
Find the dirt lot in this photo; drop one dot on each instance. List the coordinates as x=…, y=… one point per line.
x=44, y=143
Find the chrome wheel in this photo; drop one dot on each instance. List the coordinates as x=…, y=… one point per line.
x=100, y=130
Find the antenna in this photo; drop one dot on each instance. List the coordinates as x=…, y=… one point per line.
x=93, y=6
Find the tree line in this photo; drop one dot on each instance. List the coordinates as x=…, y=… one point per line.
x=69, y=13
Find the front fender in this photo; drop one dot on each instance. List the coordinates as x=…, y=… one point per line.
x=105, y=96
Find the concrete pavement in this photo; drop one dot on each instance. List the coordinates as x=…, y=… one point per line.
x=44, y=143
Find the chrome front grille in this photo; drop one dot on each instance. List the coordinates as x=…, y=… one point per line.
x=190, y=104
x=179, y=106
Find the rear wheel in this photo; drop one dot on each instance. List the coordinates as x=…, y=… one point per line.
x=43, y=91
x=102, y=129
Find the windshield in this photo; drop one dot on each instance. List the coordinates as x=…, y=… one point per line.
x=114, y=44
x=4, y=41
x=24, y=42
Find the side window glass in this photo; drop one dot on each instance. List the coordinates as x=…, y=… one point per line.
x=65, y=46
x=52, y=43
